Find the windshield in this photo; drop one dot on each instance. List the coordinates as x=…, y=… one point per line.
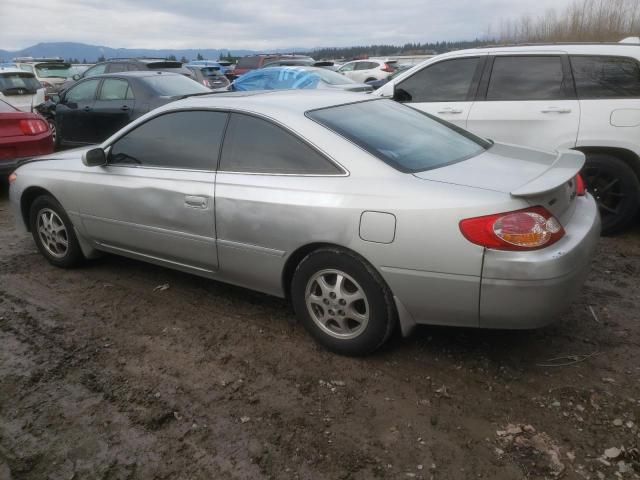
x=408, y=140
x=174, y=85
x=18, y=81
x=53, y=70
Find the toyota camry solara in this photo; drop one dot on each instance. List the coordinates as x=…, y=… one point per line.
x=368, y=215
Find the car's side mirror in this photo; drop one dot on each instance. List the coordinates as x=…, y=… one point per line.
x=94, y=157
x=400, y=95
x=76, y=77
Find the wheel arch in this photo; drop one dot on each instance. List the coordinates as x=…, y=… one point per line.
x=27, y=199
x=627, y=156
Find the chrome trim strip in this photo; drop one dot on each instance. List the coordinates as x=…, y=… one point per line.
x=251, y=248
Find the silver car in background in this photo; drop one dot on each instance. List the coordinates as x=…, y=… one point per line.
x=366, y=213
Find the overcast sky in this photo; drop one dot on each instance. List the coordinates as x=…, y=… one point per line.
x=253, y=24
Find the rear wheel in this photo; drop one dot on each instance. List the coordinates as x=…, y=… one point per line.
x=616, y=189
x=343, y=302
x=53, y=232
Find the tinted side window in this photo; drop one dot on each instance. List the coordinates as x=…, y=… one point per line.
x=606, y=77
x=527, y=78
x=115, y=89
x=347, y=68
x=186, y=140
x=447, y=81
x=257, y=146
x=83, y=92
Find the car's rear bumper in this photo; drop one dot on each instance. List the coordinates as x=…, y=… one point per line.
x=14, y=149
x=521, y=290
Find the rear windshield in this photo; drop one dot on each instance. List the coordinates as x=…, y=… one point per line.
x=174, y=85
x=408, y=140
x=53, y=70
x=18, y=81
x=248, y=62
x=211, y=71
x=331, y=77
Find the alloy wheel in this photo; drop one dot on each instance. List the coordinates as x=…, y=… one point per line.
x=337, y=304
x=52, y=233
x=605, y=188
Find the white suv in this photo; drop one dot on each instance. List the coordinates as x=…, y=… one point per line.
x=362, y=71
x=20, y=89
x=583, y=96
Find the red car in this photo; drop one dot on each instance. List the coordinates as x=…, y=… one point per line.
x=21, y=135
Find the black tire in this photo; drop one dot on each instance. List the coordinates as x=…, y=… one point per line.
x=379, y=306
x=72, y=254
x=616, y=189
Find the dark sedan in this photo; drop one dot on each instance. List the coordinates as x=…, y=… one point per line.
x=96, y=107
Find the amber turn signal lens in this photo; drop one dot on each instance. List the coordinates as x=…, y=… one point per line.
x=13, y=177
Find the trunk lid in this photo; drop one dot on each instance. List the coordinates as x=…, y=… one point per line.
x=539, y=177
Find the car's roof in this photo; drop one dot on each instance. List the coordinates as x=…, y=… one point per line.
x=272, y=102
x=574, y=48
x=138, y=74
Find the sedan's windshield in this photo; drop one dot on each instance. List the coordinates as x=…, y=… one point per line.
x=406, y=139
x=174, y=85
x=54, y=70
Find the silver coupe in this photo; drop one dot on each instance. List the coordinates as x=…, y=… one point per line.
x=367, y=214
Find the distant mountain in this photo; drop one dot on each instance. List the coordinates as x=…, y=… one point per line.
x=91, y=53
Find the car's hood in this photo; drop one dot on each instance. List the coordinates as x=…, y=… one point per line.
x=511, y=169
x=63, y=155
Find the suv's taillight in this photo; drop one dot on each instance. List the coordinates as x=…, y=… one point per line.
x=206, y=83
x=33, y=126
x=527, y=229
x=581, y=188
x=387, y=68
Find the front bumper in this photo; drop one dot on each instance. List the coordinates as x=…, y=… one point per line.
x=521, y=290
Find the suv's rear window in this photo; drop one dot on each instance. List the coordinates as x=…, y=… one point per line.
x=606, y=77
x=53, y=70
x=18, y=81
x=248, y=62
x=408, y=140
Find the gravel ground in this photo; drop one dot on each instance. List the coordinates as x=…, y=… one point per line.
x=103, y=376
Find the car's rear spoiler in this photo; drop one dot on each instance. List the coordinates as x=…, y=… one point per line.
x=567, y=165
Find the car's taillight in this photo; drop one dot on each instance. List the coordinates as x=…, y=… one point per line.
x=387, y=68
x=13, y=177
x=206, y=83
x=581, y=188
x=33, y=126
x=527, y=229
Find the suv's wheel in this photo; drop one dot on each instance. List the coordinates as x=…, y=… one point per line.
x=343, y=302
x=53, y=232
x=616, y=189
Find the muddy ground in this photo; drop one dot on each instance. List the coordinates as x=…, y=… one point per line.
x=103, y=376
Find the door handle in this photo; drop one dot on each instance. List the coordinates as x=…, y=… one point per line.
x=87, y=108
x=450, y=110
x=195, y=201
x=556, y=110
x=124, y=108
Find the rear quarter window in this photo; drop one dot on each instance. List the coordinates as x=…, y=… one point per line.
x=599, y=77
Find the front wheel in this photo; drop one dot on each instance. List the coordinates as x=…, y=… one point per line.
x=343, y=302
x=616, y=189
x=53, y=232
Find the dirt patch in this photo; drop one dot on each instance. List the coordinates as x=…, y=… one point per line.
x=104, y=376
